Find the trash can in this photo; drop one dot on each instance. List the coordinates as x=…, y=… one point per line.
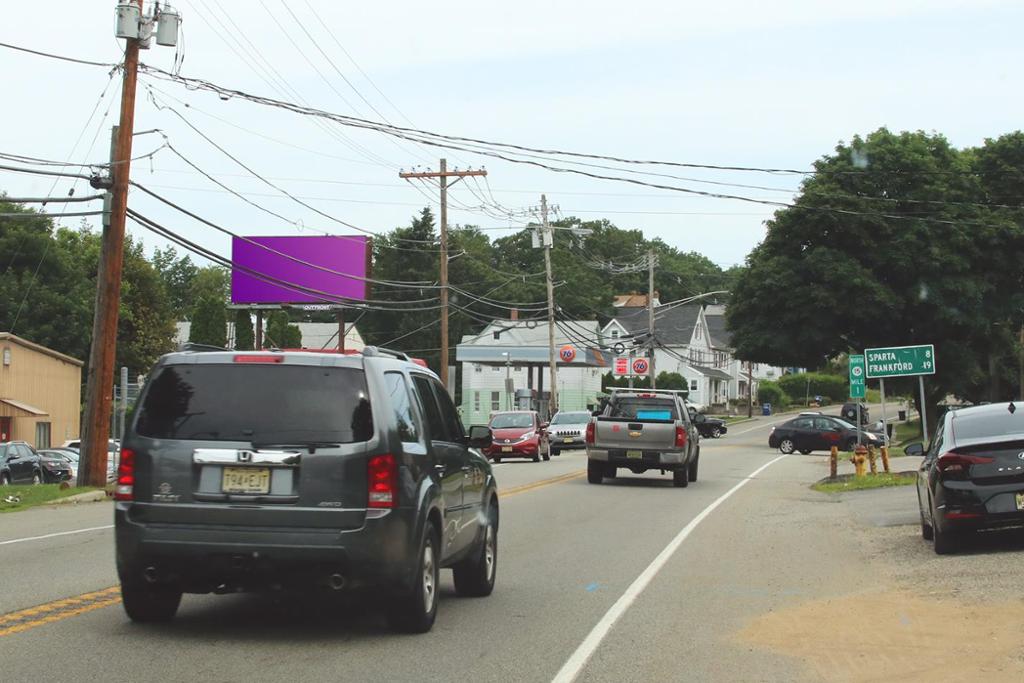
x=902, y=414
x=889, y=429
x=766, y=409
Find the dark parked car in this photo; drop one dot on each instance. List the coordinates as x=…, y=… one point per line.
x=709, y=427
x=54, y=467
x=849, y=413
x=972, y=476
x=19, y=464
x=310, y=471
x=806, y=433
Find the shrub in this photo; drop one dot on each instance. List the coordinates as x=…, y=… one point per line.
x=771, y=392
x=832, y=387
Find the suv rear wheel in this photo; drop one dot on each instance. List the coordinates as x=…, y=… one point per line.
x=149, y=603
x=595, y=471
x=414, y=611
x=681, y=477
x=474, y=576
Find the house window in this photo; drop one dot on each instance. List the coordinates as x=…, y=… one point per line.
x=477, y=367
x=495, y=400
x=693, y=385
x=42, y=434
x=495, y=368
x=476, y=401
x=615, y=334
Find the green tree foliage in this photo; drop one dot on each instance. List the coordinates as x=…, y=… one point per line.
x=891, y=243
x=209, y=322
x=281, y=333
x=177, y=274
x=770, y=392
x=245, y=336
x=673, y=380
x=801, y=385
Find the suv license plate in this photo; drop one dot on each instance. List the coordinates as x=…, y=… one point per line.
x=246, y=480
x=1020, y=501
x=634, y=454
x=568, y=440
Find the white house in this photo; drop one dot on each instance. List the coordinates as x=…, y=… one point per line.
x=740, y=371
x=518, y=350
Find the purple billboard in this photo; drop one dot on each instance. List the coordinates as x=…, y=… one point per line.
x=299, y=270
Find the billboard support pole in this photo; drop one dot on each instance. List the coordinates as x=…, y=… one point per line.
x=259, y=329
x=341, y=330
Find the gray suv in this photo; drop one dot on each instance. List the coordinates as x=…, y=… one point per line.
x=253, y=471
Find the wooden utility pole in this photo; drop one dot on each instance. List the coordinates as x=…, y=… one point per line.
x=650, y=315
x=548, y=241
x=341, y=330
x=98, y=407
x=443, y=175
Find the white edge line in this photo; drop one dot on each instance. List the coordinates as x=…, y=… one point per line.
x=59, y=533
x=574, y=665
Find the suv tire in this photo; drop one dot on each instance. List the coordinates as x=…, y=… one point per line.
x=555, y=451
x=595, y=471
x=474, y=576
x=716, y=432
x=414, y=611
x=147, y=603
x=681, y=477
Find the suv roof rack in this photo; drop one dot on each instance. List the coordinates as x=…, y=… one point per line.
x=193, y=346
x=646, y=390
x=380, y=351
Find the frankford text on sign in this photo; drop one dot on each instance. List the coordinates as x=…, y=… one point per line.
x=900, y=361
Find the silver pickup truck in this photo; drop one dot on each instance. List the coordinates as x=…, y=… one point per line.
x=640, y=430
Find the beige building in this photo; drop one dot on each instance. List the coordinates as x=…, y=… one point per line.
x=40, y=393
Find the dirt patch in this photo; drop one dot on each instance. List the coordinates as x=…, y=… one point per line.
x=897, y=635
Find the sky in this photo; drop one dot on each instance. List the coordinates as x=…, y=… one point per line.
x=727, y=83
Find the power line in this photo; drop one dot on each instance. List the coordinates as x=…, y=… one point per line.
x=50, y=55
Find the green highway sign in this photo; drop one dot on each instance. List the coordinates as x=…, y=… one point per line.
x=857, y=380
x=900, y=361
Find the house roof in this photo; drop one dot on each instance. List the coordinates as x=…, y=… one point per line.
x=713, y=373
x=673, y=325
x=721, y=337
x=7, y=336
x=516, y=333
x=633, y=300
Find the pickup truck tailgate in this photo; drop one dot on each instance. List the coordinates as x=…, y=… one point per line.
x=616, y=433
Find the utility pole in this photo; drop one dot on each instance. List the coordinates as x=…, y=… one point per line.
x=442, y=176
x=750, y=389
x=650, y=315
x=137, y=31
x=547, y=241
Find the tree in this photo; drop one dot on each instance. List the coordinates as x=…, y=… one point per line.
x=673, y=380
x=209, y=322
x=885, y=246
x=245, y=336
x=281, y=334
x=177, y=274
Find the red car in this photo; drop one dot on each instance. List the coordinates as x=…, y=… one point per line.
x=518, y=434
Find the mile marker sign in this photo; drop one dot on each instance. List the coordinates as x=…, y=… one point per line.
x=857, y=382
x=900, y=361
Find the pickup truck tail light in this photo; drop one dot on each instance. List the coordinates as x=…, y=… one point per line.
x=125, y=476
x=590, y=434
x=382, y=480
x=680, y=437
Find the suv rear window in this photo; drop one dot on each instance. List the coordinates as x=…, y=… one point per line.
x=257, y=403
x=637, y=408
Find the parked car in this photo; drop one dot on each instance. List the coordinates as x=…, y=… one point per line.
x=709, y=427
x=972, y=475
x=113, y=454
x=68, y=455
x=641, y=430
x=518, y=434
x=19, y=464
x=53, y=468
x=807, y=433
x=567, y=430
x=255, y=471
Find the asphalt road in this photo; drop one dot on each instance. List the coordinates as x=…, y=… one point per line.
x=628, y=581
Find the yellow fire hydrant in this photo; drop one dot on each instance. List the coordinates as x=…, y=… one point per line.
x=859, y=458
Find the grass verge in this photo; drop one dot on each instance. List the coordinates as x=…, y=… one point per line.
x=31, y=496
x=849, y=482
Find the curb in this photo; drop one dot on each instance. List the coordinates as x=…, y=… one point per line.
x=87, y=497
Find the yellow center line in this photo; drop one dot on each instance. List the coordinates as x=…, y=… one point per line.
x=539, y=484
x=58, y=610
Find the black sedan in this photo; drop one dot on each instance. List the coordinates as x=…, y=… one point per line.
x=807, y=433
x=972, y=475
x=55, y=465
x=709, y=427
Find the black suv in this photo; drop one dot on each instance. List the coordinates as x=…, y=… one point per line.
x=273, y=470
x=19, y=464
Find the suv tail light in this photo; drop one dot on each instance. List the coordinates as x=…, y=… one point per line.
x=125, y=489
x=252, y=358
x=680, y=437
x=955, y=465
x=590, y=438
x=382, y=479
